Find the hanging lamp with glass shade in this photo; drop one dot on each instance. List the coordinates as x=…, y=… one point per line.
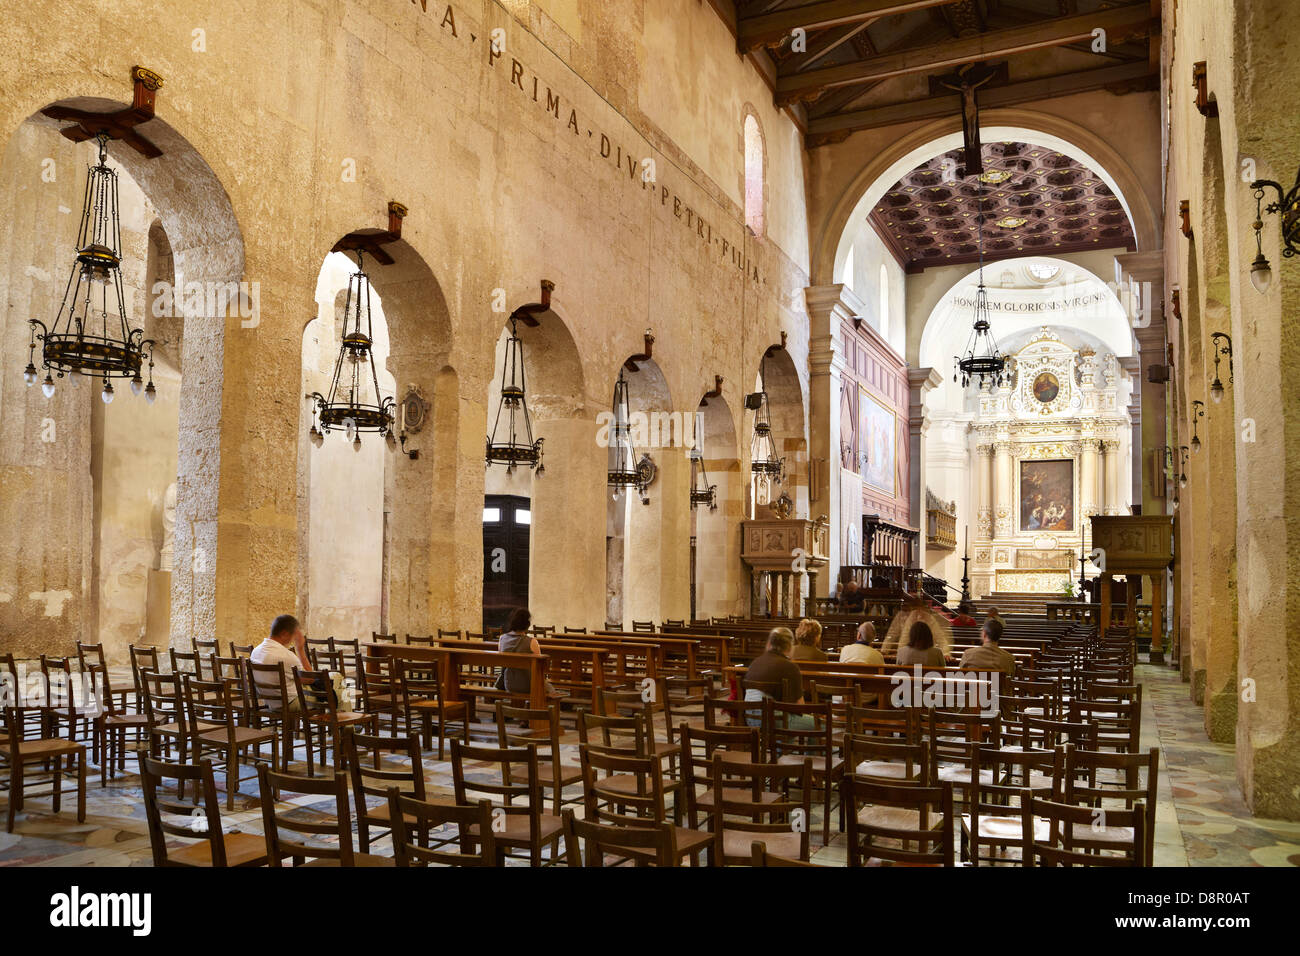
x=702, y=493
x=981, y=361
x=764, y=461
x=92, y=334
x=354, y=403
x=517, y=446
x=623, y=472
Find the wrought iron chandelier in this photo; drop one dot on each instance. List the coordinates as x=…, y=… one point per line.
x=346, y=407
x=982, y=360
x=91, y=333
x=623, y=470
x=763, y=458
x=516, y=449
x=702, y=493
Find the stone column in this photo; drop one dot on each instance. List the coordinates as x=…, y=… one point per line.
x=1087, y=477
x=828, y=307
x=919, y=382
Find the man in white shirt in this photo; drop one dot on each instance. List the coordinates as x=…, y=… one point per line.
x=286, y=646
x=861, y=651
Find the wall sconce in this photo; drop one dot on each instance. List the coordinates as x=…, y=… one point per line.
x=1198, y=411
x=1176, y=298
x=1185, y=218
x=1182, y=477
x=1224, y=348
x=1289, y=205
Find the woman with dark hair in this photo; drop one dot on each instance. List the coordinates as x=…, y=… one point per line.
x=920, y=648
x=517, y=640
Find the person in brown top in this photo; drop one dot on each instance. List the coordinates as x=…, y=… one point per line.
x=989, y=656
x=920, y=648
x=773, y=674
x=807, y=642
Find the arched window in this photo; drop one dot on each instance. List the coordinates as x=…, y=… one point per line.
x=846, y=276
x=884, y=302
x=754, y=175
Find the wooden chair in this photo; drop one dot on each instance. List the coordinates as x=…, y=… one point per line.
x=643, y=627
x=887, y=759
x=381, y=692
x=699, y=746
x=205, y=648
x=188, y=662
x=321, y=715
x=647, y=702
x=523, y=827
x=1118, y=723
x=684, y=699
x=318, y=645
x=378, y=638
x=747, y=810
x=70, y=710
x=210, y=702
x=790, y=741
x=143, y=657
x=413, y=821
x=556, y=775
x=671, y=622
x=992, y=817
x=635, y=782
x=1098, y=779
x=30, y=738
x=633, y=735
x=448, y=635
x=241, y=650
x=420, y=697
x=375, y=765
x=414, y=640
x=652, y=845
x=278, y=848
x=1049, y=829
x=112, y=725
x=575, y=630
x=207, y=843
x=268, y=691
x=164, y=709
x=923, y=818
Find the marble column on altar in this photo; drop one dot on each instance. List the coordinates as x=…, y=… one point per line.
x=919, y=381
x=984, y=476
x=1113, y=495
x=1003, y=491
x=1087, y=478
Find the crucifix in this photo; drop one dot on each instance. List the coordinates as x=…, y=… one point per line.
x=966, y=81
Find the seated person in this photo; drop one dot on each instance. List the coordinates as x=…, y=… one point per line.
x=920, y=648
x=861, y=650
x=988, y=656
x=773, y=674
x=807, y=642
x=850, y=596
x=517, y=640
x=286, y=646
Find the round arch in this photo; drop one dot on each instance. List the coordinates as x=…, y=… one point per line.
x=864, y=189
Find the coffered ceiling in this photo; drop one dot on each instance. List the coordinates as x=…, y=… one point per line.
x=1035, y=200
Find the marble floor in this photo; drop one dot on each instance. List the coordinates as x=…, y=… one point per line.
x=1201, y=819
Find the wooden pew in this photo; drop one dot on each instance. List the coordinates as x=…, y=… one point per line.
x=578, y=670
x=696, y=651
x=883, y=681
x=457, y=661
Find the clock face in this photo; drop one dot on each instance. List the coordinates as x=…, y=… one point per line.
x=1046, y=387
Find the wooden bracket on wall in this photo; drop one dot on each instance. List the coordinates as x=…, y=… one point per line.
x=373, y=242
x=630, y=364
x=527, y=314
x=1200, y=82
x=715, y=392
x=1175, y=297
x=119, y=124
x=1185, y=214
x=776, y=348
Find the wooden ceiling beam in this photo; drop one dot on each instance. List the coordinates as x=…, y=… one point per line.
x=1009, y=94
x=770, y=28
x=1118, y=22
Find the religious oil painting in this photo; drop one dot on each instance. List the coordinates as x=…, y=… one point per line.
x=877, y=438
x=1047, y=495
